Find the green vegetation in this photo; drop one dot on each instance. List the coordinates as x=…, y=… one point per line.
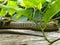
x=32, y=9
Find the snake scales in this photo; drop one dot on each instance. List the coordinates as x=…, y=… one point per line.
x=28, y=25
x=23, y=25
x=9, y=23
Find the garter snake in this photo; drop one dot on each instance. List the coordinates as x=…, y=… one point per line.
x=51, y=26
x=9, y=23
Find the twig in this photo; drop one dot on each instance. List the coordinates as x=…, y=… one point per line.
x=45, y=37
x=56, y=18
x=53, y=41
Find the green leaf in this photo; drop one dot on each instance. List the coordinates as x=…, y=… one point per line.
x=54, y=9
x=11, y=11
x=42, y=1
x=19, y=13
x=28, y=13
x=33, y=3
x=12, y=4
x=1, y=0
x=25, y=12
x=28, y=3
x=3, y=12
x=39, y=6
x=23, y=18
x=38, y=16
x=14, y=16
x=12, y=0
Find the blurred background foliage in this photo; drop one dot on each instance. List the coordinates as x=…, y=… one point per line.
x=23, y=10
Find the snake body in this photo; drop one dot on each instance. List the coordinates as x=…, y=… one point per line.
x=25, y=25
x=29, y=25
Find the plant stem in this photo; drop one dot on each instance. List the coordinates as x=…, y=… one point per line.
x=45, y=37
x=34, y=12
x=56, y=18
x=53, y=41
x=40, y=27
